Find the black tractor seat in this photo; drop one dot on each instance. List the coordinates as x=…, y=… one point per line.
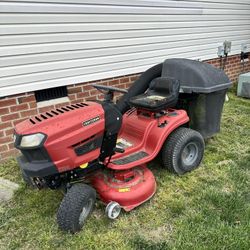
x=162, y=93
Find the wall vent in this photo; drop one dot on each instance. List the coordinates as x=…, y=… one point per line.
x=50, y=94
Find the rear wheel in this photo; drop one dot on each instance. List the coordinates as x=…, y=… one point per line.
x=183, y=150
x=76, y=206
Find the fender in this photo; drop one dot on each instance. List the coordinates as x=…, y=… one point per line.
x=146, y=135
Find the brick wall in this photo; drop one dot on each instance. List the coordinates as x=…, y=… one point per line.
x=14, y=109
x=233, y=66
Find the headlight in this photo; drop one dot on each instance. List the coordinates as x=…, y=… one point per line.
x=29, y=141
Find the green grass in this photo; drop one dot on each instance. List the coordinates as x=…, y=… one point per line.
x=206, y=209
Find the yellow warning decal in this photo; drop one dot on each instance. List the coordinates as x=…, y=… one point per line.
x=123, y=190
x=119, y=140
x=84, y=165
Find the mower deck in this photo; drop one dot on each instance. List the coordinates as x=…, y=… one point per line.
x=129, y=188
x=142, y=135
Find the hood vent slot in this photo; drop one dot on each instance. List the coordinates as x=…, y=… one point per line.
x=56, y=112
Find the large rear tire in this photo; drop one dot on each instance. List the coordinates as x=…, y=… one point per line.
x=183, y=150
x=75, y=208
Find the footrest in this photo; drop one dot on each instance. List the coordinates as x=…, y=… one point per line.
x=130, y=158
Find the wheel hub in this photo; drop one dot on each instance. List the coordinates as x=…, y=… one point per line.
x=189, y=153
x=85, y=212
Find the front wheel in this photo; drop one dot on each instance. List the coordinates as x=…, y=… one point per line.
x=183, y=150
x=76, y=206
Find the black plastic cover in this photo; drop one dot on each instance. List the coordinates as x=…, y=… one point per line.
x=162, y=93
x=113, y=123
x=37, y=169
x=195, y=76
x=139, y=86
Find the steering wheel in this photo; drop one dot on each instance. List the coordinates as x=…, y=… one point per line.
x=109, y=88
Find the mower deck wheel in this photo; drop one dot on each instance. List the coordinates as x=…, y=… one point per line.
x=183, y=150
x=76, y=206
x=113, y=210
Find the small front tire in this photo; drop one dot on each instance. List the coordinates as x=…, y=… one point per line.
x=75, y=208
x=183, y=150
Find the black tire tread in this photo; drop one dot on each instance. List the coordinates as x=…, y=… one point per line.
x=71, y=206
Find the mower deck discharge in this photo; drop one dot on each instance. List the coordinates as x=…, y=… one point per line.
x=101, y=148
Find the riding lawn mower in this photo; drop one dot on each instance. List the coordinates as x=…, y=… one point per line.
x=101, y=148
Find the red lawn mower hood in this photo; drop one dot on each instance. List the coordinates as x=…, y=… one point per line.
x=62, y=121
x=65, y=129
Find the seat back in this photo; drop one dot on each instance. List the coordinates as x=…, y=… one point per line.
x=164, y=86
x=163, y=93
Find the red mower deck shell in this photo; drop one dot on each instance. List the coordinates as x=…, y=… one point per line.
x=65, y=130
x=130, y=188
x=144, y=134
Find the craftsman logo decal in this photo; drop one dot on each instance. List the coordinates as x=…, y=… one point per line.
x=93, y=120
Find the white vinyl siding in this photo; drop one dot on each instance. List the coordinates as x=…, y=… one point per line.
x=48, y=43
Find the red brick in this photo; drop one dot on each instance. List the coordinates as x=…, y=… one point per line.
x=9, y=153
x=4, y=125
x=16, y=108
x=46, y=109
x=1, y=134
x=77, y=101
x=94, y=92
x=9, y=132
x=62, y=104
x=7, y=102
x=86, y=94
x=87, y=87
x=32, y=105
x=19, y=121
x=124, y=80
x=6, y=139
x=10, y=145
x=113, y=82
x=74, y=90
x=3, y=148
x=4, y=111
x=121, y=86
x=92, y=98
x=105, y=83
x=72, y=97
x=133, y=78
x=30, y=98
x=27, y=113
x=10, y=117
